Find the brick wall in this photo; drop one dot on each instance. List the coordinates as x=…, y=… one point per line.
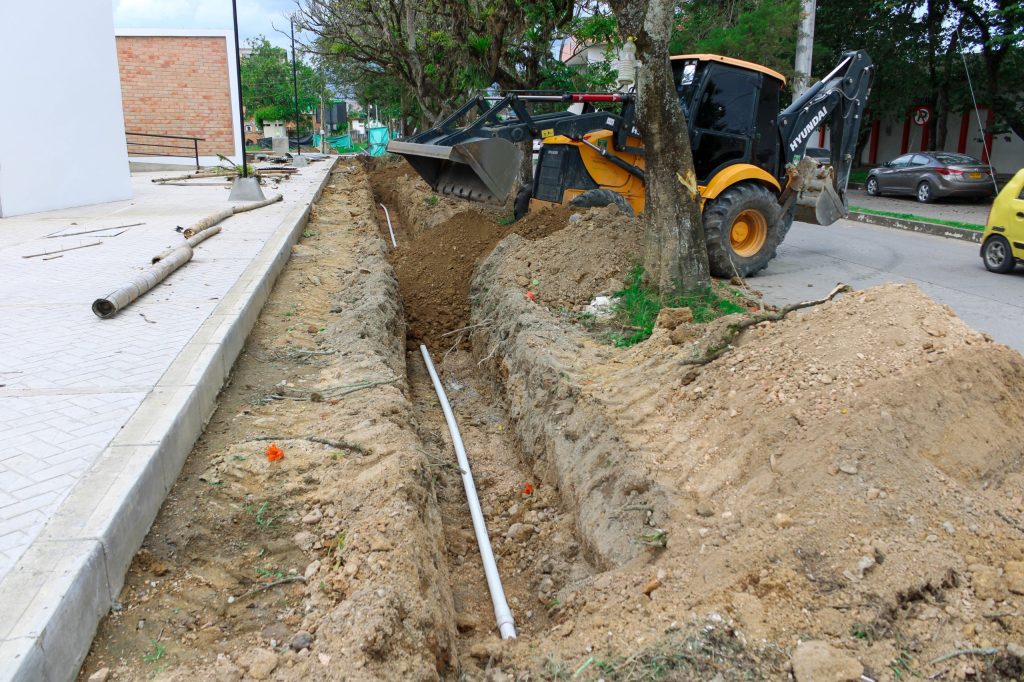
x=177, y=86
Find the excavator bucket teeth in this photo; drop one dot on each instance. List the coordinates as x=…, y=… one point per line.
x=481, y=169
x=817, y=201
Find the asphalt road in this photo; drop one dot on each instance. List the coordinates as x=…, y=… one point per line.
x=813, y=259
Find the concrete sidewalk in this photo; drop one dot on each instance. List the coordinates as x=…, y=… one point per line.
x=99, y=415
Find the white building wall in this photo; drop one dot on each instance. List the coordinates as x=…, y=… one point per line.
x=61, y=126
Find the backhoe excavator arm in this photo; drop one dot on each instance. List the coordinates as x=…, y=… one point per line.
x=838, y=99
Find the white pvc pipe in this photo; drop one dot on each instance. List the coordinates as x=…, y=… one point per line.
x=390, y=229
x=506, y=625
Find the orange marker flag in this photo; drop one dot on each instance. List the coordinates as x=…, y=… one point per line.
x=274, y=453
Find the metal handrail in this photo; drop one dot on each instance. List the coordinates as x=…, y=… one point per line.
x=194, y=147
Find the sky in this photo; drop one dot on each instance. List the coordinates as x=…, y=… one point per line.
x=255, y=17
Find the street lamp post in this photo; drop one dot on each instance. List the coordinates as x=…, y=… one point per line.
x=295, y=91
x=243, y=188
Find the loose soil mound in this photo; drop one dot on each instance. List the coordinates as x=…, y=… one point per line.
x=567, y=268
x=435, y=266
x=411, y=202
x=852, y=474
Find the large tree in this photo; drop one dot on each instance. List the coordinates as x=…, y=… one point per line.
x=439, y=50
x=675, y=253
x=760, y=31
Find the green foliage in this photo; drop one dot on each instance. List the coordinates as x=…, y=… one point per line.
x=265, y=516
x=760, y=31
x=267, y=90
x=595, y=77
x=638, y=306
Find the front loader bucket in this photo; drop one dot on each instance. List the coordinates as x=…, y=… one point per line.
x=817, y=201
x=478, y=169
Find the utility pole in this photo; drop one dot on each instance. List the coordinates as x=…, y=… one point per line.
x=243, y=188
x=238, y=79
x=804, y=47
x=295, y=90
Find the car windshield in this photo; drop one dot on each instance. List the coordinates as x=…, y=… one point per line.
x=957, y=159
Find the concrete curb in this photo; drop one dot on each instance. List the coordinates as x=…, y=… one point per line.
x=918, y=226
x=69, y=577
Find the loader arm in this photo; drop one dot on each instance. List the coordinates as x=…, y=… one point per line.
x=838, y=99
x=480, y=161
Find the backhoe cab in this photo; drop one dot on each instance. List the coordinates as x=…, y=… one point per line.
x=749, y=159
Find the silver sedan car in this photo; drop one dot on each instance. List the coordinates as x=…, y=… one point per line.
x=932, y=175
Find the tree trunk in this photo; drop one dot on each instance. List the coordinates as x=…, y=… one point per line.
x=525, y=167
x=675, y=254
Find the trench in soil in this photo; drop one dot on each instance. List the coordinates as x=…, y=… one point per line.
x=532, y=533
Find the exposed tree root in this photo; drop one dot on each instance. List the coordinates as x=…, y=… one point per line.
x=717, y=347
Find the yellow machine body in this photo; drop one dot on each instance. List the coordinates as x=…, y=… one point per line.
x=609, y=176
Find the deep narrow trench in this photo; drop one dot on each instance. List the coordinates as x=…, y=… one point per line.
x=532, y=534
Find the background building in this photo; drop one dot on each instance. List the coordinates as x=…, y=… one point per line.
x=180, y=82
x=53, y=156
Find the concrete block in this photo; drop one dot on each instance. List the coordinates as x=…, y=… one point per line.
x=246, y=189
x=280, y=147
x=22, y=659
x=66, y=596
x=115, y=504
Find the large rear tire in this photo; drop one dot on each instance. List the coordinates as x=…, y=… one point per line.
x=743, y=226
x=602, y=197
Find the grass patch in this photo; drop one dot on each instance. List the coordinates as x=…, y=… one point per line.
x=923, y=219
x=711, y=652
x=859, y=176
x=354, y=149
x=155, y=653
x=638, y=306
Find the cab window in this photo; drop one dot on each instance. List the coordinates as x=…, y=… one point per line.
x=729, y=100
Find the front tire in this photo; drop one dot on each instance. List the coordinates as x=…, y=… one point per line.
x=594, y=198
x=924, y=193
x=743, y=226
x=996, y=255
x=871, y=187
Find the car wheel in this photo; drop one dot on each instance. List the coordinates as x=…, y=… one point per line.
x=872, y=187
x=996, y=255
x=924, y=193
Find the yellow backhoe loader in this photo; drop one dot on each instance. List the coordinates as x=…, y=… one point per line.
x=749, y=159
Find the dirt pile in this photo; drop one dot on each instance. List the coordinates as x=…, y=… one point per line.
x=567, y=268
x=412, y=204
x=435, y=266
x=840, y=491
x=847, y=474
